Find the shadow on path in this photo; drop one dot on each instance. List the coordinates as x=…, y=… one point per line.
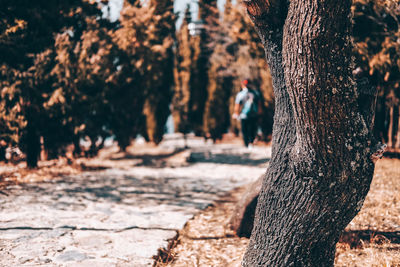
x=126, y=189
x=147, y=156
x=226, y=158
x=185, y=187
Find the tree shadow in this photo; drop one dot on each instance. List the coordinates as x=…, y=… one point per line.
x=226, y=158
x=122, y=186
x=190, y=192
x=144, y=192
x=147, y=156
x=355, y=238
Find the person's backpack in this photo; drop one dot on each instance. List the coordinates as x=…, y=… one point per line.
x=250, y=107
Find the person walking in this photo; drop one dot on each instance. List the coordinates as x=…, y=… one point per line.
x=247, y=108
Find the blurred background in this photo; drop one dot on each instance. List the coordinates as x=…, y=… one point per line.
x=76, y=74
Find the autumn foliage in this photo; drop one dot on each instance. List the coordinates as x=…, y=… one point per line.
x=69, y=75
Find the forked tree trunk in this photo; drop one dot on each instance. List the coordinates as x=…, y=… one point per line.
x=321, y=166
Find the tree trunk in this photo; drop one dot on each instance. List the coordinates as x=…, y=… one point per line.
x=380, y=127
x=395, y=130
x=2, y=153
x=77, y=146
x=390, y=131
x=32, y=145
x=321, y=166
x=397, y=145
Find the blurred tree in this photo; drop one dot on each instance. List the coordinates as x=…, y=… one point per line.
x=208, y=20
x=12, y=120
x=159, y=76
x=376, y=32
x=27, y=30
x=128, y=95
x=145, y=77
x=84, y=73
x=221, y=75
x=183, y=75
x=217, y=116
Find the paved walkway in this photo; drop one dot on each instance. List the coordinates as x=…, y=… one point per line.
x=118, y=217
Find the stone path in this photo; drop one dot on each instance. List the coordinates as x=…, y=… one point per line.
x=118, y=217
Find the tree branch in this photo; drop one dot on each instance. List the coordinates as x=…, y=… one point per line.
x=258, y=7
x=270, y=13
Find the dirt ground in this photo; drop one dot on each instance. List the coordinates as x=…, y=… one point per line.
x=371, y=239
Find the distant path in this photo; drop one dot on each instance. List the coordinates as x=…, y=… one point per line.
x=119, y=217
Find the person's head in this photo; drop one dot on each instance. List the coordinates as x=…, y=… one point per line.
x=245, y=82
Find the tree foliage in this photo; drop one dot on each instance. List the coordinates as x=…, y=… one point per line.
x=160, y=79
x=26, y=45
x=376, y=31
x=208, y=17
x=68, y=74
x=183, y=75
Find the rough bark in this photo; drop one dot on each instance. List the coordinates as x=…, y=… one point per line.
x=321, y=166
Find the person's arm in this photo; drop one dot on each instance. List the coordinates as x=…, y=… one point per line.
x=236, y=111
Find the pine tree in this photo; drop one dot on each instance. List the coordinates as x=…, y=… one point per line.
x=217, y=116
x=208, y=15
x=183, y=75
x=27, y=31
x=128, y=95
x=84, y=73
x=159, y=73
x=220, y=80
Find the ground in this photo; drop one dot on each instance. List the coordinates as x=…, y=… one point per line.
x=166, y=204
